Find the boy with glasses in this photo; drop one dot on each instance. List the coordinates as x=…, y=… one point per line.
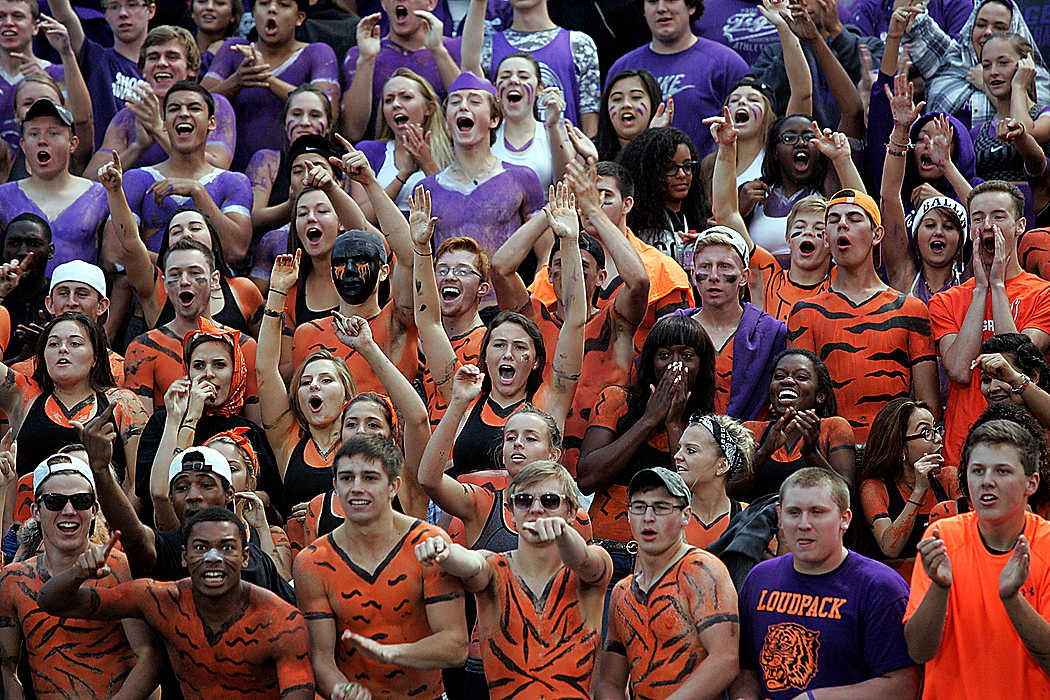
x=539, y=606
x=111, y=73
x=69, y=658
x=690, y=648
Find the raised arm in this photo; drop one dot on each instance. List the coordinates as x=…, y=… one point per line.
x=900, y=266
x=434, y=41
x=567, y=361
x=273, y=394
x=1021, y=103
x=1014, y=134
x=184, y=404
x=357, y=100
x=137, y=262
x=78, y=97
x=437, y=348
x=511, y=292
x=591, y=563
x=473, y=37
x=64, y=593
x=138, y=541
x=356, y=334
x=725, y=204
x=448, y=494
x=800, y=80
x=62, y=10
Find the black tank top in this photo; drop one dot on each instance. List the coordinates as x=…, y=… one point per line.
x=896, y=505
x=279, y=191
x=327, y=520
x=230, y=315
x=304, y=314
x=477, y=444
x=301, y=481
x=773, y=473
x=45, y=437
x=496, y=536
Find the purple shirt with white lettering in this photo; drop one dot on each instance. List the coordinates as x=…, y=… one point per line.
x=225, y=133
x=110, y=78
x=9, y=126
x=258, y=109
x=737, y=24
x=698, y=78
x=230, y=190
x=74, y=232
x=391, y=57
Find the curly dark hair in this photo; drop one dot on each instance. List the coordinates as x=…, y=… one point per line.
x=606, y=140
x=646, y=158
x=829, y=406
x=771, y=172
x=667, y=332
x=1028, y=358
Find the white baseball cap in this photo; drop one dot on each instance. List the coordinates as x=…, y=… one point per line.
x=79, y=271
x=56, y=464
x=200, y=459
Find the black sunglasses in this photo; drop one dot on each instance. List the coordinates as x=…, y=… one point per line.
x=549, y=501
x=57, y=501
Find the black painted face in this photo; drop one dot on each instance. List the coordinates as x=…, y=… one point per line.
x=356, y=260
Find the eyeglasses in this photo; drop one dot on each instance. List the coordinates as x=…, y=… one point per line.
x=686, y=166
x=659, y=508
x=549, y=501
x=791, y=138
x=931, y=433
x=57, y=501
x=129, y=6
x=459, y=271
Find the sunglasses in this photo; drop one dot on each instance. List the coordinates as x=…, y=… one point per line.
x=549, y=501
x=57, y=501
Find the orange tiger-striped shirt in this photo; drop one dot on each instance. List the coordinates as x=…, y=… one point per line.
x=67, y=658
x=262, y=653
x=870, y=348
x=388, y=604
x=540, y=643
x=659, y=630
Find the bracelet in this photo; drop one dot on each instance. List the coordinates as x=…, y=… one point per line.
x=890, y=151
x=906, y=145
x=1024, y=382
x=277, y=291
x=914, y=503
x=272, y=314
x=421, y=253
x=398, y=178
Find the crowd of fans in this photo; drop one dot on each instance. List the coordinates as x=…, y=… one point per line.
x=431, y=349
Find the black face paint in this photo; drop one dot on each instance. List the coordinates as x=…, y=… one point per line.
x=702, y=276
x=356, y=259
x=730, y=277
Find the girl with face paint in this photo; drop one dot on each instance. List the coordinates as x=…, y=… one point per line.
x=628, y=106
x=803, y=428
x=412, y=141
x=521, y=138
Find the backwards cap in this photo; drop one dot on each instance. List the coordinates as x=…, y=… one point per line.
x=862, y=200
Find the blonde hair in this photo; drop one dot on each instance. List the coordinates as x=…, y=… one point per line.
x=814, y=204
x=535, y=472
x=741, y=437
x=440, y=143
x=345, y=378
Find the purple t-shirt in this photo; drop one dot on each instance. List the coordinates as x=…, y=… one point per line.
x=74, y=232
x=802, y=632
x=488, y=212
x=737, y=24
x=225, y=133
x=441, y=11
x=380, y=155
x=390, y=58
x=698, y=78
x=270, y=246
x=259, y=110
x=230, y=190
x=110, y=78
x=9, y=127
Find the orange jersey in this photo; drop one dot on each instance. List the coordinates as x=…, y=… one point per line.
x=1029, y=298
x=388, y=604
x=468, y=352
x=397, y=340
x=669, y=288
x=870, y=348
x=600, y=367
x=540, y=647
x=1033, y=251
x=780, y=294
x=68, y=658
x=723, y=375
x=981, y=655
x=701, y=534
x=262, y=653
x=154, y=360
x=609, y=508
x=659, y=630
x=116, y=367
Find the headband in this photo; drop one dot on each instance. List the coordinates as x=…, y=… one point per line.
x=238, y=436
x=725, y=441
x=954, y=208
x=238, y=385
x=468, y=81
x=395, y=427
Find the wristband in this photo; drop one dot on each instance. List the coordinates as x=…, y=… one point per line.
x=914, y=503
x=277, y=291
x=1024, y=382
x=272, y=314
x=890, y=151
x=425, y=254
x=398, y=178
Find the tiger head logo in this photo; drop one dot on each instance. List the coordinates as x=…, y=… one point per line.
x=789, y=656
